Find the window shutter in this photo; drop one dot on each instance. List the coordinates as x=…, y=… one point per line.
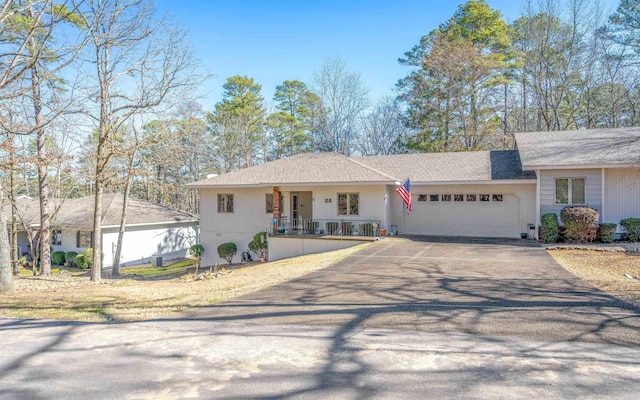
x=78, y=239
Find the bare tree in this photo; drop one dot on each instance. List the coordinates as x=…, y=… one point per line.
x=383, y=130
x=139, y=62
x=344, y=98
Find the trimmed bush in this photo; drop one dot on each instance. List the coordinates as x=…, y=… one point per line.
x=227, y=251
x=581, y=223
x=70, y=258
x=606, y=233
x=367, y=229
x=549, y=228
x=197, y=250
x=80, y=258
x=259, y=244
x=632, y=226
x=57, y=257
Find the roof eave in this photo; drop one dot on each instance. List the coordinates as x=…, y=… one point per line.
x=479, y=182
x=533, y=167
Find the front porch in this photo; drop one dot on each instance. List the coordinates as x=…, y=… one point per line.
x=326, y=228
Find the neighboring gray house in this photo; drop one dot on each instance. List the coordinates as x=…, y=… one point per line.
x=479, y=194
x=151, y=230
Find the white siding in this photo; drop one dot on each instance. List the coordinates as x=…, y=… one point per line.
x=519, y=207
x=593, y=188
x=285, y=247
x=250, y=217
x=140, y=243
x=622, y=199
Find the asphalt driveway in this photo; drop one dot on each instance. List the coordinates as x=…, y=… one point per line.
x=403, y=318
x=478, y=286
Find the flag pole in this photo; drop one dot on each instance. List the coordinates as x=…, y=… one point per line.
x=404, y=207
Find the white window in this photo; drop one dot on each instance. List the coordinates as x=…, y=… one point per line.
x=56, y=237
x=225, y=203
x=570, y=191
x=348, y=203
x=84, y=239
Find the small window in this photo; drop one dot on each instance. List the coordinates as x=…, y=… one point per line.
x=269, y=203
x=458, y=197
x=348, y=203
x=570, y=191
x=497, y=197
x=434, y=197
x=56, y=237
x=225, y=203
x=422, y=197
x=471, y=197
x=484, y=197
x=84, y=239
x=446, y=197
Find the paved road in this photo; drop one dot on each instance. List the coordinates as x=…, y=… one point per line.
x=404, y=318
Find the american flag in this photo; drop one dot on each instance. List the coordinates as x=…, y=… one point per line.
x=405, y=193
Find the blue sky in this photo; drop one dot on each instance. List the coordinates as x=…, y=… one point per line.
x=273, y=41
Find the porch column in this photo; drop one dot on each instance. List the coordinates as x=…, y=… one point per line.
x=276, y=207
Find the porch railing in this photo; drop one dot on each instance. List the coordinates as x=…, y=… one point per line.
x=325, y=227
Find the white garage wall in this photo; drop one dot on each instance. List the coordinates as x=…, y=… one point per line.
x=524, y=193
x=143, y=242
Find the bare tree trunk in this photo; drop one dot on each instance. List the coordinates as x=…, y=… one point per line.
x=115, y=270
x=7, y=284
x=43, y=184
x=14, y=225
x=96, y=242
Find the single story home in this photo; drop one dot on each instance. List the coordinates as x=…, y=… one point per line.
x=496, y=194
x=151, y=230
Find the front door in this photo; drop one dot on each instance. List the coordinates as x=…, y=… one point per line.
x=295, y=206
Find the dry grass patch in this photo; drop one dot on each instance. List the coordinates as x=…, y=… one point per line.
x=604, y=270
x=71, y=297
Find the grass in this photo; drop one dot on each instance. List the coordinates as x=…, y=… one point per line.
x=176, y=269
x=73, y=297
x=604, y=270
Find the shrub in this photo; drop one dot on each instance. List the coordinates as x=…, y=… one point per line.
x=606, y=233
x=227, y=251
x=549, y=227
x=259, y=244
x=57, y=257
x=197, y=250
x=70, y=258
x=87, y=261
x=632, y=226
x=581, y=223
x=80, y=258
x=367, y=229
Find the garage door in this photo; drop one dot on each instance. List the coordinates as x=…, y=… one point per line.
x=480, y=215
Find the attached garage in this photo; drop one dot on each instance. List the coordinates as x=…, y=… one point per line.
x=499, y=211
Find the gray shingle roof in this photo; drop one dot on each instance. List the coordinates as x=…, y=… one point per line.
x=323, y=168
x=451, y=167
x=579, y=148
x=78, y=213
